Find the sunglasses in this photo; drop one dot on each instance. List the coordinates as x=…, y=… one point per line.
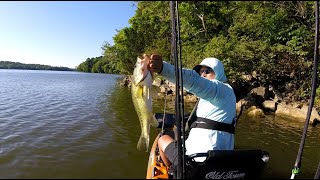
x=207, y=71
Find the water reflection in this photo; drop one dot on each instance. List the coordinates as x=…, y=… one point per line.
x=125, y=128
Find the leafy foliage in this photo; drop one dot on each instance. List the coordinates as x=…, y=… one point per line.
x=274, y=39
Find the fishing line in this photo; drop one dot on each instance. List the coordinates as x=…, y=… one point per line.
x=191, y=118
x=297, y=164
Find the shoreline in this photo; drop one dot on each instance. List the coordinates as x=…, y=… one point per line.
x=258, y=102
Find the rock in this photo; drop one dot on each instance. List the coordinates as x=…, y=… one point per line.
x=261, y=92
x=190, y=98
x=157, y=82
x=314, y=113
x=253, y=111
x=276, y=98
x=297, y=105
x=162, y=89
x=269, y=105
x=247, y=77
x=300, y=114
x=246, y=102
x=254, y=74
x=238, y=106
x=126, y=81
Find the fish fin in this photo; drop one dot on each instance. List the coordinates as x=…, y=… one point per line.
x=145, y=91
x=153, y=121
x=143, y=143
x=139, y=92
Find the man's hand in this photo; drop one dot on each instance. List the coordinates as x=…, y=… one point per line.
x=155, y=64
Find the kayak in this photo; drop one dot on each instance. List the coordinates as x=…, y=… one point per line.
x=218, y=164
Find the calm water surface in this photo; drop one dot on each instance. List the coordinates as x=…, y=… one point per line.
x=82, y=125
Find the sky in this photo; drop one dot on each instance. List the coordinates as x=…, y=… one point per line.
x=59, y=33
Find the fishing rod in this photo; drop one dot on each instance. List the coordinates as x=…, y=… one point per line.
x=181, y=93
x=178, y=75
x=317, y=175
x=297, y=164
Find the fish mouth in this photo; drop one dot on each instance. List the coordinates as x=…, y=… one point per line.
x=141, y=68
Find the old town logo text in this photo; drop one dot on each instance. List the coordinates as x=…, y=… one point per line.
x=225, y=175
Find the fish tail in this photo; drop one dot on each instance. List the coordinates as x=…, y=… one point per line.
x=143, y=143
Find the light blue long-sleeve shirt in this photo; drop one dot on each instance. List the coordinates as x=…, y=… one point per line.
x=217, y=102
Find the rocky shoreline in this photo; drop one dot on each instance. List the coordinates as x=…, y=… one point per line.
x=258, y=102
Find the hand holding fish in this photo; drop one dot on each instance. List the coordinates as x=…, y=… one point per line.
x=155, y=63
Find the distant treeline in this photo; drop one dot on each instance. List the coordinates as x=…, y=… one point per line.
x=17, y=65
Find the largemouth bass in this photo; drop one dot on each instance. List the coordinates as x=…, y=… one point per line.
x=141, y=92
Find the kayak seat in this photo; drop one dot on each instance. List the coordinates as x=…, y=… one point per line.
x=227, y=164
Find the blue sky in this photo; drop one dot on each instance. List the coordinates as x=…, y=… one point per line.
x=59, y=33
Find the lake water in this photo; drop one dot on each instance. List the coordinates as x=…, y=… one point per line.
x=56, y=124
